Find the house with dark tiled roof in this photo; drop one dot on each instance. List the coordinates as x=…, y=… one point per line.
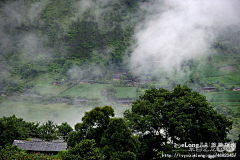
x=124, y=73
x=138, y=84
x=209, y=89
x=41, y=146
x=81, y=101
x=116, y=77
x=125, y=101
x=143, y=80
x=236, y=89
x=90, y=81
x=3, y=93
x=83, y=81
x=128, y=81
x=86, y=82
x=56, y=82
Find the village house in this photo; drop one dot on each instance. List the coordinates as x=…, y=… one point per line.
x=41, y=146
x=138, y=84
x=86, y=82
x=125, y=101
x=83, y=81
x=25, y=91
x=56, y=82
x=3, y=93
x=142, y=80
x=90, y=81
x=116, y=77
x=124, y=73
x=236, y=89
x=128, y=81
x=209, y=89
x=81, y=101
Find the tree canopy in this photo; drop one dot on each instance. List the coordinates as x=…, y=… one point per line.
x=85, y=150
x=48, y=131
x=118, y=140
x=64, y=129
x=94, y=123
x=160, y=116
x=12, y=128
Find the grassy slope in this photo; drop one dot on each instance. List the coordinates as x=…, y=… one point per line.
x=86, y=90
x=42, y=85
x=94, y=91
x=226, y=79
x=126, y=92
x=223, y=69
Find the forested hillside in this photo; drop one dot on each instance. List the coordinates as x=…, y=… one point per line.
x=61, y=58
x=53, y=36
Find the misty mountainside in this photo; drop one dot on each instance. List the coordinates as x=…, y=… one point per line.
x=61, y=58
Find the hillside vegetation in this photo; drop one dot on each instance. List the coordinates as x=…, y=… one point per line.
x=67, y=42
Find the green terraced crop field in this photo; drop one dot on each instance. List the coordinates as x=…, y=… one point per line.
x=230, y=99
x=126, y=92
x=86, y=90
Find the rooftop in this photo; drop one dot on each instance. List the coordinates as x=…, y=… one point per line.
x=208, y=87
x=126, y=80
x=117, y=76
x=40, y=145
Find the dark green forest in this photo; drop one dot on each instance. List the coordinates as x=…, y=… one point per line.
x=60, y=59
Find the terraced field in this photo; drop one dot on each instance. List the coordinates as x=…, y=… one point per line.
x=230, y=99
x=86, y=90
x=43, y=86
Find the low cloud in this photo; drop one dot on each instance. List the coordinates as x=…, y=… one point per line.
x=176, y=31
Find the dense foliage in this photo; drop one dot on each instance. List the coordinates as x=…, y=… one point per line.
x=55, y=39
x=14, y=152
x=85, y=150
x=182, y=115
x=15, y=128
x=110, y=134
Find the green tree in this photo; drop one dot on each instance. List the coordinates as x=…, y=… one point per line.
x=48, y=131
x=85, y=150
x=124, y=78
x=93, y=125
x=118, y=140
x=64, y=129
x=238, y=147
x=73, y=138
x=129, y=75
x=12, y=128
x=181, y=115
